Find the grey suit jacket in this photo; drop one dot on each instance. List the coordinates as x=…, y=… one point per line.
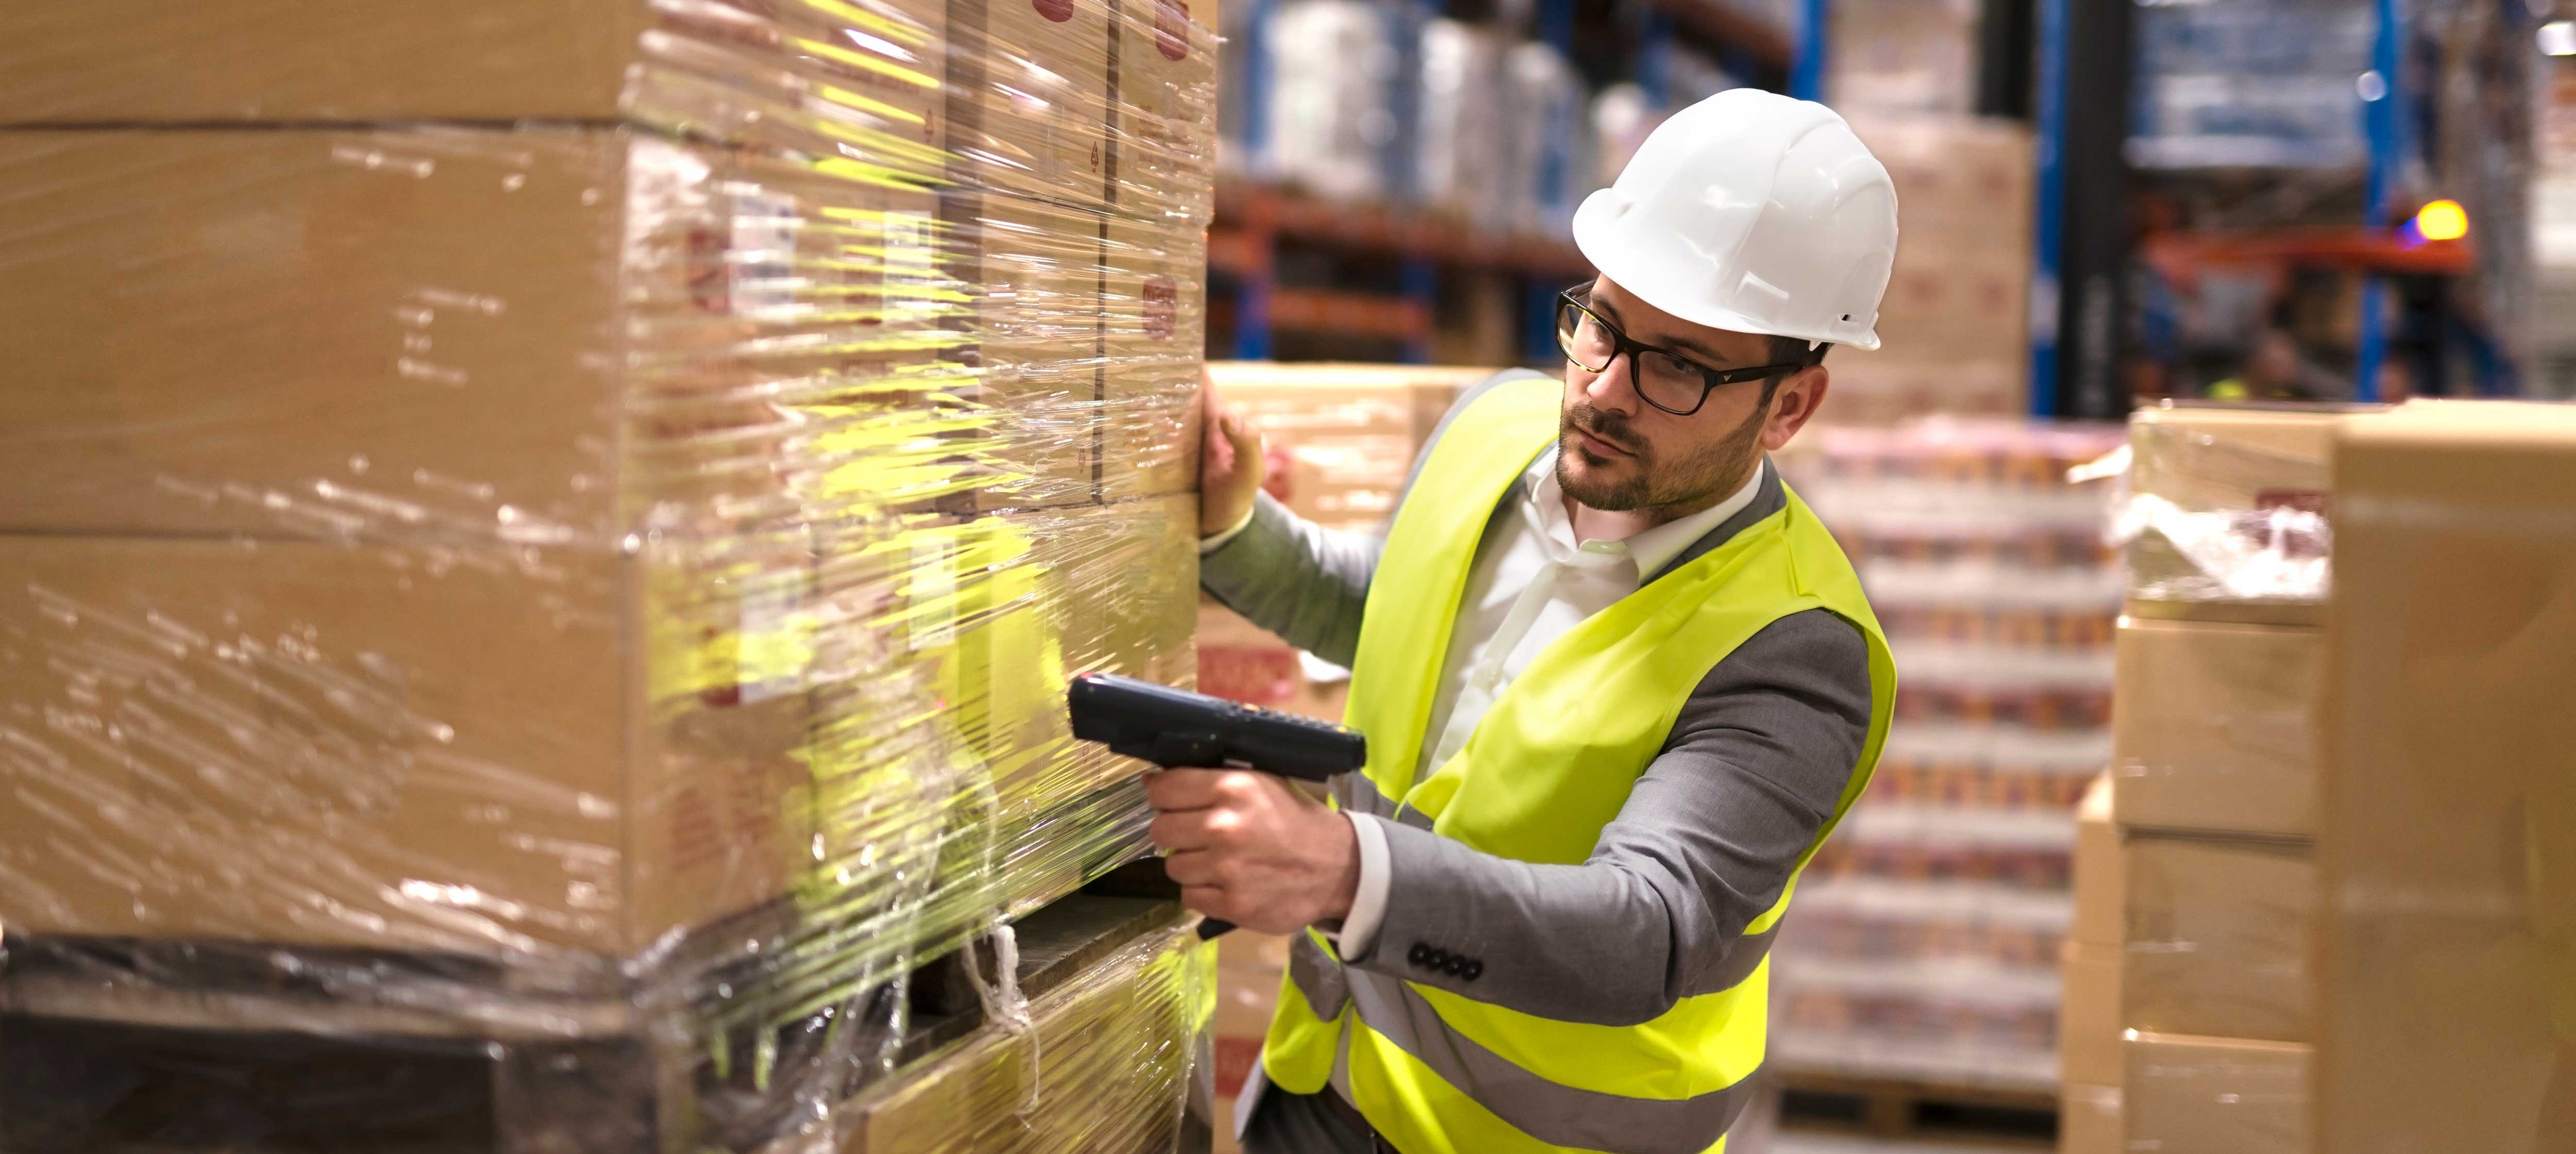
x=1706, y=841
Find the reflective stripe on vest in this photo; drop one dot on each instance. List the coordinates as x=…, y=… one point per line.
x=1438, y=1073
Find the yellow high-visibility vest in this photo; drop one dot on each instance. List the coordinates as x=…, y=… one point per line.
x=1543, y=773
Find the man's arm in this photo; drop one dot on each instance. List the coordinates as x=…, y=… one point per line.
x=1299, y=580
x=1755, y=765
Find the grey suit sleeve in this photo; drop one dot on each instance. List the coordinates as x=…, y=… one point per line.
x=1297, y=579
x=1755, y=765
x=1306, y=583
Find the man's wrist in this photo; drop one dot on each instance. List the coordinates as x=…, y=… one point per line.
x=1211, y=542
x=1364, y=905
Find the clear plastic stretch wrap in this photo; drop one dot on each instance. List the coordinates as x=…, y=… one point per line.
x=1114, y=1059
x=2227, y=505
x=548, y=537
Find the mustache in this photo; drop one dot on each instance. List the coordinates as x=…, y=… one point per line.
x=1610, y=427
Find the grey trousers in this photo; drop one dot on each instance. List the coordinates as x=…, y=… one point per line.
x=1285, y=1123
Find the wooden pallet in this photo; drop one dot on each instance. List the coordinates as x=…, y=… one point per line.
x=1905, y=1107
x=212, y=1054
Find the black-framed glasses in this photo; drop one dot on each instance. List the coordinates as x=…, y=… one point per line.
x=1663, y=378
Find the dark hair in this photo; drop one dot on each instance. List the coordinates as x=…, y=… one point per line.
x=1792, y=351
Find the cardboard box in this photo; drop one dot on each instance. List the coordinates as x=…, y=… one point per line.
x=1028, y=97
x=2188, y=1095
x=1968, y=304
x=1904, y=55
x=1162, y=130
x=525, y=335
x=499, y=750
x=1893, y=385
x=2220, y=934
x=1343, y=437
x=1034, y=271
x=310, y=61
x=2101, y=901
x=2214, y=726
x=2216, y=476
x=2447, y=988
x=1957, y=176
x=470, y=750
x=2088, y=1021
x=1048, y=594
x=1154, y=313
x=1106, y=1064
x=2088, y=1120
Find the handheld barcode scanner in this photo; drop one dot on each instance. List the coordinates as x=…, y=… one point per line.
x=1175, y=729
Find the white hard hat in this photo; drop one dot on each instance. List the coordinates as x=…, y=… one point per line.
x=1753, y=212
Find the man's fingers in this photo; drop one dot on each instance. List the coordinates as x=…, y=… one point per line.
x=1246, y=441
x=1207, y=900
x=1213, y=419
x=1192, y=868
x=1181, y=789
x=1183, y=830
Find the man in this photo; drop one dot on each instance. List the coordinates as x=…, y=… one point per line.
x=2277, y=371
x=1617, y=684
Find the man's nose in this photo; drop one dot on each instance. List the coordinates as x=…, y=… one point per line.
x=1611, y=388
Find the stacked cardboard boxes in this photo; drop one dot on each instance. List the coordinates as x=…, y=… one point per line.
x=562, y=528
x=1955, y=321
x=2446, y=1000
x=2219, y=661
x=2090, y=1062
x=1342, y=441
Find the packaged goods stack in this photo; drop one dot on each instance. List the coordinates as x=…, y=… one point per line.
x=1464, y=127
x=1913, y=56
x=1330, y=126
x=1341, y=441
x=1924, y=947
x=542, y=554
x=2446, y=999
x=2204, y=993
x=1956, y=318
x=2251, y=83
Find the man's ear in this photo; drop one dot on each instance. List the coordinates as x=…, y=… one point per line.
x=1794, y=405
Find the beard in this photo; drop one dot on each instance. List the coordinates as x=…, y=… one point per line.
x=1696, y=479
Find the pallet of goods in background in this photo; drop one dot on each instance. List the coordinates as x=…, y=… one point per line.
x=1341, y=442
x=1921, y=957
x=2190, y=1022
x=541, y=558
x=2316, y=801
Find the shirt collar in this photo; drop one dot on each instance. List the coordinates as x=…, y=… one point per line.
x=1653, y=548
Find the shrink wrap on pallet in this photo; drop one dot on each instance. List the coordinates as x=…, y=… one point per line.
x=557, y=531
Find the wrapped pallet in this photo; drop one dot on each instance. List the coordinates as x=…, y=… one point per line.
x=544, y=541
x=1933, y=933
x=1108, y=1060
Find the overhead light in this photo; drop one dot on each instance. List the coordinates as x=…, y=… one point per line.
x=2558, y=38
x=2442, y=220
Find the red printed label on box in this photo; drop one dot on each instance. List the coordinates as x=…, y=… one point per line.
x=1172, y=29
x=1162, y=307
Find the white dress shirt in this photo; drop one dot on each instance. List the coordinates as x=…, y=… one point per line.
x=1532, y=581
